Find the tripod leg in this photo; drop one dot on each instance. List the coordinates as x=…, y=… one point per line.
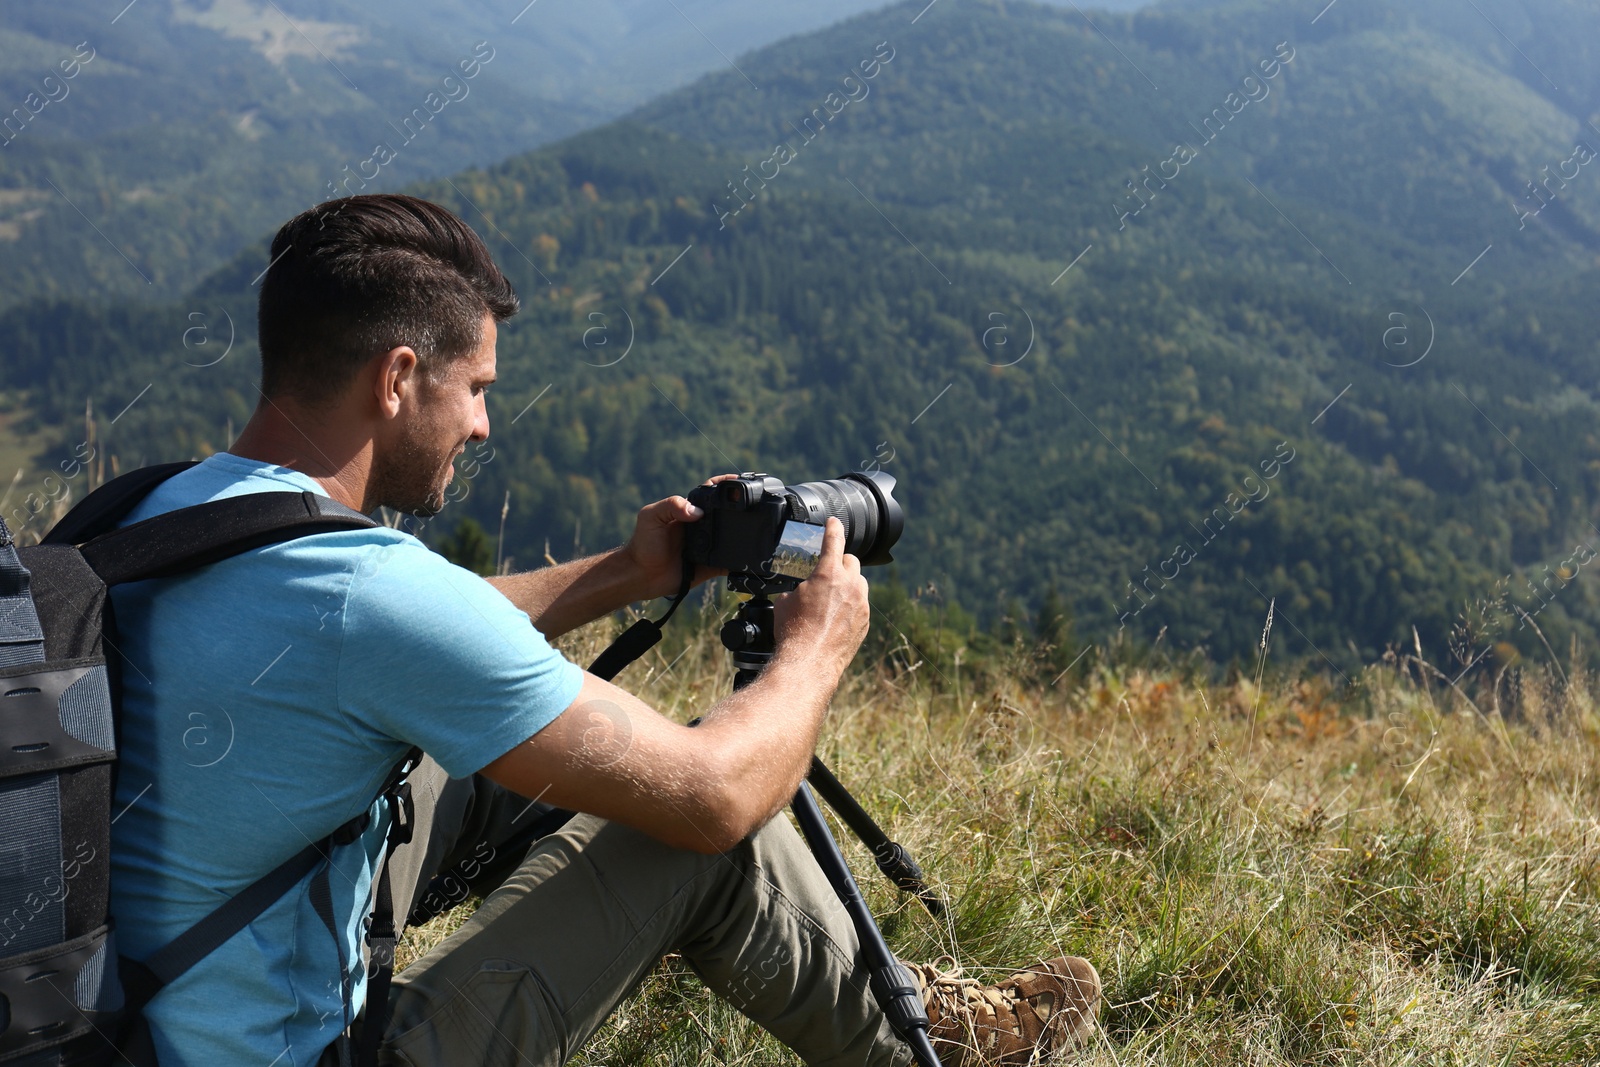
x=891, y=985
x=893, y=859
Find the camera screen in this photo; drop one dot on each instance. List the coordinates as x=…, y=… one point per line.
x=798, y=550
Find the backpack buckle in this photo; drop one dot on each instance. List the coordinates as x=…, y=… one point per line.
x=402, y=813
x=380, y=951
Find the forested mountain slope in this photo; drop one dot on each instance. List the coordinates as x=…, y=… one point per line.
x=1179, y=312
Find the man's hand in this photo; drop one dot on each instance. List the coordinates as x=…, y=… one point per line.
x=826, y=618
x=568, y=595
x=656, y=547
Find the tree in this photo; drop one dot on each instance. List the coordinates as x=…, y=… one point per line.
x=470, y=547
x=1058, y=644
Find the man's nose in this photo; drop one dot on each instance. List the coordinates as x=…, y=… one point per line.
x=480, y=422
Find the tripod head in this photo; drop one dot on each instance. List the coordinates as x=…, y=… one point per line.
x=750, y=638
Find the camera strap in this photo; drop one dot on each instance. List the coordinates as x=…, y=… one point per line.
x=642, y=636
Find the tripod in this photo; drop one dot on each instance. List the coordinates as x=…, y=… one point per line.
x=749, y=637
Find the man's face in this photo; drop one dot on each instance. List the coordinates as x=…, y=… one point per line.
x=446, y=413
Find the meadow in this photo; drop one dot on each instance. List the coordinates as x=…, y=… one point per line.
x=1265, y=867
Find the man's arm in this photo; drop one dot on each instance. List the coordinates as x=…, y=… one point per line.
x=568, y=595
x=706, y=788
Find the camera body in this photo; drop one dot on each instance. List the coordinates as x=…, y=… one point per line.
x=769, y=535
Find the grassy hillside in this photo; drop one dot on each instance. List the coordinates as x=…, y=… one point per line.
x=1261, y=871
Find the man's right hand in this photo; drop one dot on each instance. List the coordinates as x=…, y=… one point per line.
x=828, y=615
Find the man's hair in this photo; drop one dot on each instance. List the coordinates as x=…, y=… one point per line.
x=353, y=278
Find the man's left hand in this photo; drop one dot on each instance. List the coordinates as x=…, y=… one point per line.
x=656, y=547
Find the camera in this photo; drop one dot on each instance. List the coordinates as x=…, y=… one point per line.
x=768, y=535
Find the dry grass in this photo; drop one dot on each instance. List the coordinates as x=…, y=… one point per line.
x=1267, y=876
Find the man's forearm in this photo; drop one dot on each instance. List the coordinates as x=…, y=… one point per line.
x=768, y=731
x=568, y=595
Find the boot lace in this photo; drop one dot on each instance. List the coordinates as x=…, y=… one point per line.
x=946, y=987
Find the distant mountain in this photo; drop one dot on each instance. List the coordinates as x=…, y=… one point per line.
x=1183, y=312
x=1445, y=128
x=187, y=127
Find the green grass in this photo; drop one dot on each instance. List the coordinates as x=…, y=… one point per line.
x=1272, y=876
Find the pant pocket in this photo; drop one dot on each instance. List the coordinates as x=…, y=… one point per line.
x=499, y=1016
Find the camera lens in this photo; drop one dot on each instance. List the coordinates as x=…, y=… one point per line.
x=863, y=502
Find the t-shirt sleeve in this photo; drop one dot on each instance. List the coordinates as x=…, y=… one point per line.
x=437, y=657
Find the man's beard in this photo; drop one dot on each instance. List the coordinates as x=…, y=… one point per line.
x=408, y=480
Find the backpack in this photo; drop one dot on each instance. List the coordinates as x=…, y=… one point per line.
x=66, y=997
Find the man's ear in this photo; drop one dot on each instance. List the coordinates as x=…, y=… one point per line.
x=396, y=377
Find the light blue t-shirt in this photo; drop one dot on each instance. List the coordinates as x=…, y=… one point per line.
x=265, y=699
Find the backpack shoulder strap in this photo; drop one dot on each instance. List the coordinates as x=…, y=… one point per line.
x=108, y=505
x=192, y=537
x=144, y=979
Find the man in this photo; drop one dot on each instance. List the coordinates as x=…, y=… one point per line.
x=266, y=698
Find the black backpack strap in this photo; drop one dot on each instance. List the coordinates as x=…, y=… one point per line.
x=142, y=980
x=108, y=505
x=192, y=537
x=201, y=939
x=383, y=935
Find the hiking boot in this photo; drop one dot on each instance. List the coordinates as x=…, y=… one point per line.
x=1037, y=1011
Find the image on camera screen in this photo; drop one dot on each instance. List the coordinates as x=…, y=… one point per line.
x=798, y=550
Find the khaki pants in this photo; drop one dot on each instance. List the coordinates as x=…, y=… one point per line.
x=586, y=915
